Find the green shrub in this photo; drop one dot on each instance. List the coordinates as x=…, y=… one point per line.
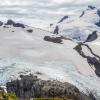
x=8, y=96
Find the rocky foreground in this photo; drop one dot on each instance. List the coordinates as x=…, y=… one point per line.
x=31, y=86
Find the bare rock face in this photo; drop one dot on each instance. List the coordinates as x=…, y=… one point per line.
x=98, y=12
x=11, y=22
x=30, y=30
x=56, y=30
x=1, y=23
x=91, y=7
x=53, y=39
x=64, y=18
x=82, y=14
x=98, y=23
x=92, y=61
x=19, y=25
x=31, y=87
x=92, y=37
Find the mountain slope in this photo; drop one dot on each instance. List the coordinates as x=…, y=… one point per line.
x=79, y=28
x=25, y=52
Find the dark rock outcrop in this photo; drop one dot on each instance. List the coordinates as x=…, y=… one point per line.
x=1, y=23
x=92, y=37
x=98, y=12
x=91, y=7
x=78, y=48
x=56, y=30
x=31, y=87
x=11, y=22
x=51, y=25
x=82, y=14
x=30, y=30
x=98, y=23
x=19, y=25
x=53, y=39
x=65, y=17
x=92, y=61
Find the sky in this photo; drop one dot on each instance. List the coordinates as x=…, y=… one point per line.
x=41, y=13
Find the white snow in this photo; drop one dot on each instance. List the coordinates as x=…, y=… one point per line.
x=24, y=53
x=79, y=28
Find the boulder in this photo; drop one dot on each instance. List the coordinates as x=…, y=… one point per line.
x=30, y=86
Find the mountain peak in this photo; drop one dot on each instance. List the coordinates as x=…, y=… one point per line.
x=91, y=15
x=80, y=28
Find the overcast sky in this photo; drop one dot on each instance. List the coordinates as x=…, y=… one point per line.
x=40, y=13
x=44, y=2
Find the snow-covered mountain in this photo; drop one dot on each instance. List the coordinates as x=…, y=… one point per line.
x=79, y=28
x=25, y=50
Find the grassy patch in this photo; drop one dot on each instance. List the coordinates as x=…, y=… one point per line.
x=8, y=96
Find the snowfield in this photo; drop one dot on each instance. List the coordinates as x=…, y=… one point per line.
x=23, y=52
x=80, y=27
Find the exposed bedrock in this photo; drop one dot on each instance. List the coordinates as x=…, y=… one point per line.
x=82, y=14
x=98, y=23
x=11, y=22
x=98, y=12
x=31, y=87
x=56, y=30
x=91, y=7
x=64, y=18
x=1, y=23
x=53, y=39
x=92, y=61
x=92, y=37
x=30, y=30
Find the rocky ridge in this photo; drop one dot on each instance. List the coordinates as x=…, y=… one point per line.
x=30, y=86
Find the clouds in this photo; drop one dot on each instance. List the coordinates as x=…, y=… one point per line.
x=30, y=2
x=41, y=13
